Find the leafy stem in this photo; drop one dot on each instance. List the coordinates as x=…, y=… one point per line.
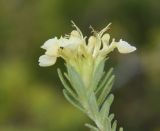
x=95, y=101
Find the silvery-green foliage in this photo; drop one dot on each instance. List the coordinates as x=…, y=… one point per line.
x=95, y=101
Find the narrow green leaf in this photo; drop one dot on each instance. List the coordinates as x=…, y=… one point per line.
x=72, y=100
x=104, y=81
x=106, y=90
x=76, y=82
x=93, y=128
x=114, y=125
x=111, y=117
x=66, y=86
x=93, y=106
x=104, y=112
x=107, y=124
x=98, y=73
x=66, y=75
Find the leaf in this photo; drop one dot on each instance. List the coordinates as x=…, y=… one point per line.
x=66, y=75
x=111, y=117
x=76, y=82
x=106, y=90
x=72, y=100
x=66, y=86
x=93, y=106
x=104, y=81
x=97, y=75
x=107, y=124
x=104, y=112
x=114, y=125
x=93, y=128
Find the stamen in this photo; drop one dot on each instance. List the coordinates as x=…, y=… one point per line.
x=104, y=30
x=74, y=25
x=93, y=31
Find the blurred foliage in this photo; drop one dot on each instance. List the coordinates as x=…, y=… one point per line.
x=31, y=97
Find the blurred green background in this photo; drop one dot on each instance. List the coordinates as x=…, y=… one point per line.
x=31, y=97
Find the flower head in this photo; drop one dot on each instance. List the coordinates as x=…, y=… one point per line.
x=74, y=49
x=84, y=56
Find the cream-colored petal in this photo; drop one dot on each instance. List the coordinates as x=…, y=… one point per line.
x=91, y=44
x=49, y=43
x=75, y=41
x=124, y=47
x=70, y=43
x=105, y=40
x=75, y=33
x=52, y=50
x=63, y=42
x=45, y=60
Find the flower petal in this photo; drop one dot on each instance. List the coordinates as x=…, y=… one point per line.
x=70, y=43
x=52, y=50
x=46, y=60
x=105, y=40
x=49, y=43
x=91, y=44
x=124, y=47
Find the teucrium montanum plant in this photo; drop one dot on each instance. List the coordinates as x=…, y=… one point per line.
x=86, y=85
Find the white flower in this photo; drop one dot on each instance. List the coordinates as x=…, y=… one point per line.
x=53, y=45
x=124, y=47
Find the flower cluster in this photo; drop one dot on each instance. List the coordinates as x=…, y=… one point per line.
x=74, y=46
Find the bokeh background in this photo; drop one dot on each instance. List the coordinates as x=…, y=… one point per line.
x=31, y=97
